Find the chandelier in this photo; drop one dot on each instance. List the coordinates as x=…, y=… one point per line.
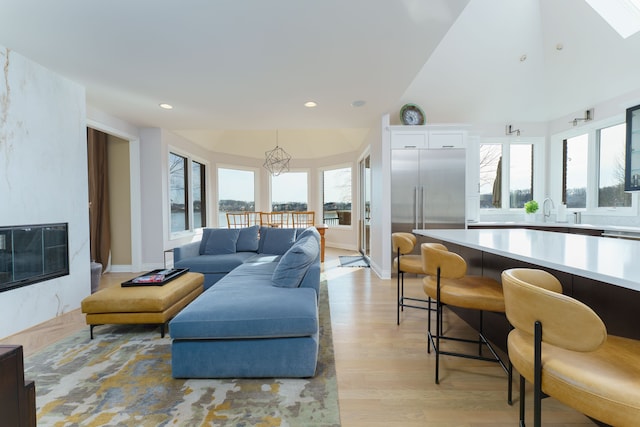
x=277, y=160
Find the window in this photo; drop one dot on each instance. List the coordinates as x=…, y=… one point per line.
x=178, y=185
x=587, y=168
x=289, y=192
x=187, y=193
x=574, y=171
x=336, y=192
x=236, y=192
x=622, y=15
x=506, y=171
x=520, y=174
x=198, y=176
x=611, y=148
x=490, y=176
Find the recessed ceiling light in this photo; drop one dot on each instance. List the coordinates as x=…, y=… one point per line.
x=358, y=103
x=166, y=106
x=523, y=58
x=559, y=46
x=310, y=104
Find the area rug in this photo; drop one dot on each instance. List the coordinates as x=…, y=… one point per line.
x=123, y=378
x=353, y=261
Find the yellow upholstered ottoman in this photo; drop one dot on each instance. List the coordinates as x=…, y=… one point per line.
x=142, y=304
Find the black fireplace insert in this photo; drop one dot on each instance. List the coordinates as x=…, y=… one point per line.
x=33, y=253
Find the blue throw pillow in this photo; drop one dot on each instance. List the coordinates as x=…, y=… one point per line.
x=309, y=231
x=221, y=241
x=276, y=241
x=248, y=239
x=203, y=242
x=295, y=262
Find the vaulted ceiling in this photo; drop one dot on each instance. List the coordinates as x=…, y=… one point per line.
x=238, y=71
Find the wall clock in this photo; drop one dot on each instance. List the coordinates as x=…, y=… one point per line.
x=411, y=114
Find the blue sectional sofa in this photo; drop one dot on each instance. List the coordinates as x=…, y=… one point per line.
x=259, y=318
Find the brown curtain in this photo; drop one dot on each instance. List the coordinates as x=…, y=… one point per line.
x=99, y=221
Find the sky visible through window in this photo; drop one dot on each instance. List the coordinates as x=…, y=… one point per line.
x=612, y=156
x=289, y=187
x=235, y=184
x=577, y=161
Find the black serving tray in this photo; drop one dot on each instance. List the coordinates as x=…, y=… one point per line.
x=158, y=277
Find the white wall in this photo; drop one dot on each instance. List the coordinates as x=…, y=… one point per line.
x=43, y=179
x=380, y=253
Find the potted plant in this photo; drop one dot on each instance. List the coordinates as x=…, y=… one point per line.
x=530, y=208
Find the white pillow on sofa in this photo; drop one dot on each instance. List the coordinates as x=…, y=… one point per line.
x=295, y=262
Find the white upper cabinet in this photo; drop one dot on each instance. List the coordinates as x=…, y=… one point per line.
x=409, y=140
x=429, y=136
x=447, y=139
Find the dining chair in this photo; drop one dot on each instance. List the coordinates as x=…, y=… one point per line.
x=253, y=218
x=303, y=219
x=237, y=220
x=275, y=219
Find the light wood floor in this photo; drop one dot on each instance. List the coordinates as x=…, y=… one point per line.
x=385, y=376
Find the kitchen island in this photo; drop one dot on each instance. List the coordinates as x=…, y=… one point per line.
x=603, y=273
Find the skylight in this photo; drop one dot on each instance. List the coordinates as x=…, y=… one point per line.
x=622, y=15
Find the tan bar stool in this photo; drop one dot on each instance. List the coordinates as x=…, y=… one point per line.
x=448, y=284
x=405, y=262
x=562, y=347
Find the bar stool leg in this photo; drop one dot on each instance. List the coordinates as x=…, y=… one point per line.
x=438, y=328
x=522, y=401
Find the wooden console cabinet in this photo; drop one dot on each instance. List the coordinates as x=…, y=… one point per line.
x=17, y=398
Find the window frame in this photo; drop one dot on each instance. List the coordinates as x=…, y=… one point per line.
x=565, y=156
x=203, y=194
x=321, y=172
x=190, y=158
x=185, y=190
x=306, y=171
x=599, y=160
x=256, y=187
x=537, y=170
x=556, y=168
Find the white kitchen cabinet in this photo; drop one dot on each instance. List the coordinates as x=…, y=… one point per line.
x=445, y=139
x=410, y=140
x=429, y=136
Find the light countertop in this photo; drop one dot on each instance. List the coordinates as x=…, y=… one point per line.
x=507, y=224
x=615, y=261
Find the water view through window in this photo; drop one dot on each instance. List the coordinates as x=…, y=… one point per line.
x=236, y=192
x=289, y=192
x=336, y=186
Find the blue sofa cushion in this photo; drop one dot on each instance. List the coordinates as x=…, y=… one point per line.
x=219, y=241
x=214, y=263
x=248, y=239
x=276, y=241
x=295, y=262
x=239, y=313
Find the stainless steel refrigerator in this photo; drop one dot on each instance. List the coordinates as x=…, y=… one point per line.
x=427, y=189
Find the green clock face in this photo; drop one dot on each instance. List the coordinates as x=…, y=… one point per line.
x=411, y=115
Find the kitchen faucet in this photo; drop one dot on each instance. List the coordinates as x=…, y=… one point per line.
x=546, y=214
